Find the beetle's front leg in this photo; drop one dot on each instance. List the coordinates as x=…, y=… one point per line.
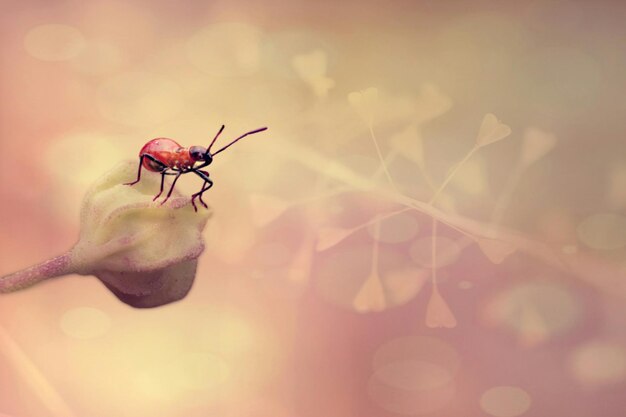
x=178, y=174
x=163, y=174
x=205, y=187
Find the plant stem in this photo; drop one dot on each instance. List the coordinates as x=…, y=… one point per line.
x=451, y=175
x=55, y=267
x=381, y=158
x=592, y=270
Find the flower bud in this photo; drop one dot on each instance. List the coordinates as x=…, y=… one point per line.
x=145, y=253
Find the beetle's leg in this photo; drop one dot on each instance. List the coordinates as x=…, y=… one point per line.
x=200, y=166
x=138, y=172
x=163, y=174
x=150, y=157
x=205, y=187
x=172, y=187
x=208, y=184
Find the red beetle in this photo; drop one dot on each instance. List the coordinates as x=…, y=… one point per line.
x=167, y=157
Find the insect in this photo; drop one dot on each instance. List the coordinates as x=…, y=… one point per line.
x=167, y=157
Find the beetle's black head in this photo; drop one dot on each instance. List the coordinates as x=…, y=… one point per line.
x=199, y=153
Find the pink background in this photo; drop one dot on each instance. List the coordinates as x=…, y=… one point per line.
x=274, y=327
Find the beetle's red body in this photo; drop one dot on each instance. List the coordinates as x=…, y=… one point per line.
x=167, y=151
x=167, y=157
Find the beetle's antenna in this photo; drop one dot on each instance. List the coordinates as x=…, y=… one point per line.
x=240, y=137
x=208, y=151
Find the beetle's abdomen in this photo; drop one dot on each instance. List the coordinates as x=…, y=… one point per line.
x=161, y=150
x=151, y=165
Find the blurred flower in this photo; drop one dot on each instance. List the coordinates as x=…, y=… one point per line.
x=472, y=177
x=408, y=143
x=491, y=130
x=536, y=144
x=431, y=103
x=311, y=67
x=495, y=250
x=438, y=314
x=364, y=102
x=371, y=296
x=144, y=253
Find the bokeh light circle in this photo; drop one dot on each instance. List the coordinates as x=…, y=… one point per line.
x=603, y=231
x=395, y=229
x=413, y=375
x=139, y=99
x=98, y=57
x=409, y=402
x=599, y=363
x=505, y=401
x=226, y=49
x=535, y=311
x=202, y=371
x=88, y=154
x=85, y=323
x=54, y=42
x=465, y=285
x=448, y=251
x=418, y=350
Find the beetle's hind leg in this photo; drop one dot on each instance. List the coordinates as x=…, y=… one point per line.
x=153, y=159
x=138, y=172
